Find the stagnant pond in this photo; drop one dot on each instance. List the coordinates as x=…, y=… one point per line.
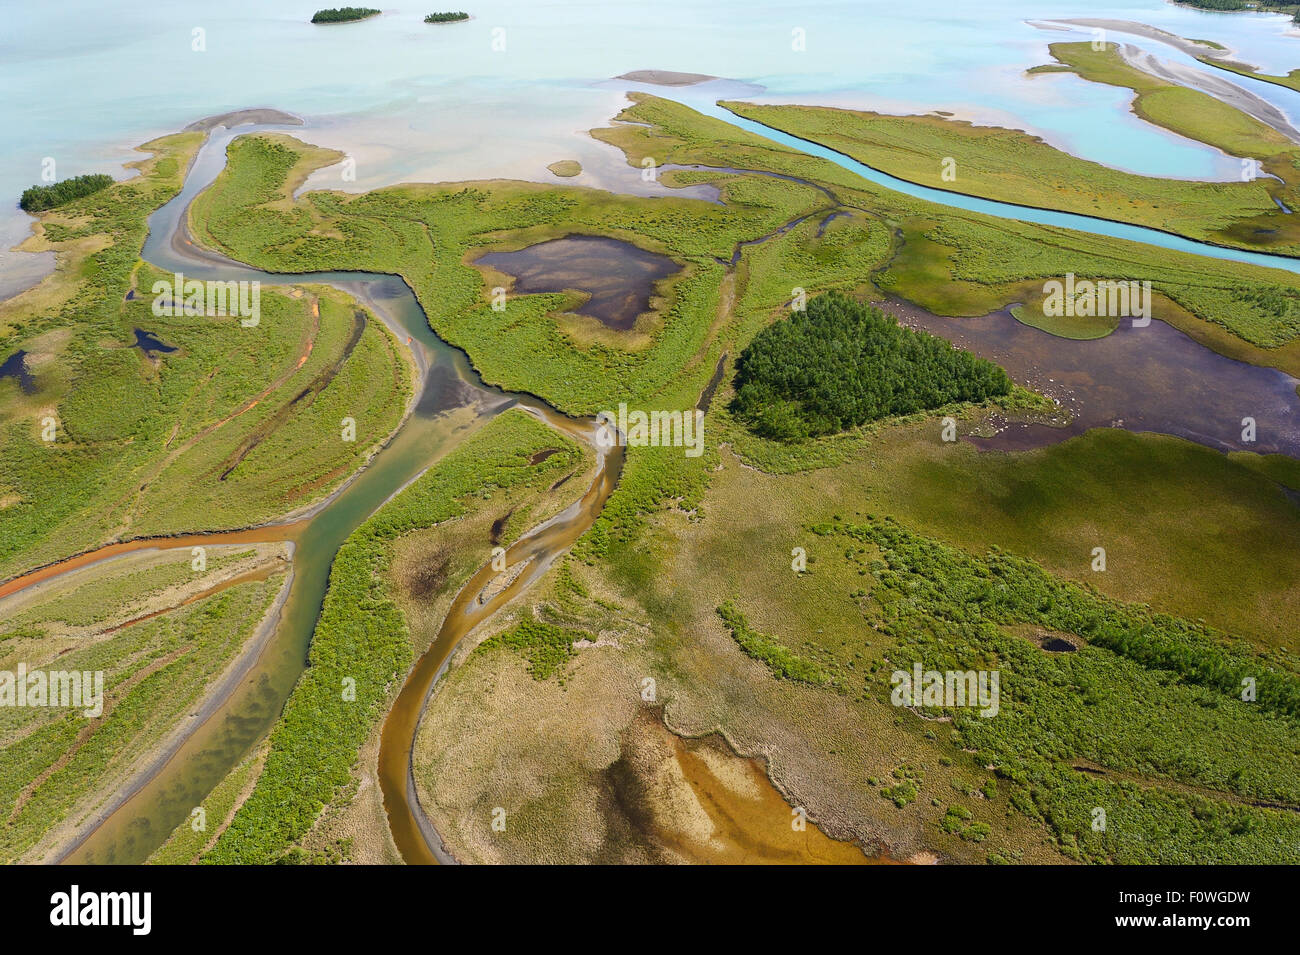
x=1152, y=378
x=618, y=276
x=151, y=344
x=15, y=367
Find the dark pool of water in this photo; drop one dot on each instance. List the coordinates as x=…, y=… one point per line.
x=15, y=366
x=1141, y=379
x=150, y=343
x=619, y=277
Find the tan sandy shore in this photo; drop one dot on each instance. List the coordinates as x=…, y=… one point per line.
x=1190, y=47
x=665, y=77
x=238, y=117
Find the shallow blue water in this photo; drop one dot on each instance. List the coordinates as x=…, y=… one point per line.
x=84, y=82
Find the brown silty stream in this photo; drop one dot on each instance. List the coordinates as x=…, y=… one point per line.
x=476, y=602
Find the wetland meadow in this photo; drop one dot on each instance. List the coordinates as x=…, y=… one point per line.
x=346, y=409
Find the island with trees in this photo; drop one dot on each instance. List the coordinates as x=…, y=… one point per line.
x=448, y=17
x=1251, y=6
x=343, y=14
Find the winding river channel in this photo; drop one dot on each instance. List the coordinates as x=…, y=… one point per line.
x=451, y=399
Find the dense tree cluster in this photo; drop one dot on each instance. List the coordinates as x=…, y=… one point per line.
x=342, y=14
x=40, y=198
x=449, y=17
x=840, y=364
x=1279, y=5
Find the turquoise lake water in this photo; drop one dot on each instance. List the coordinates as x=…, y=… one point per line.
x=84, y=82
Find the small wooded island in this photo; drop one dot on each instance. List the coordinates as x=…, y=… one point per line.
x=450, y=17
x=343, y=14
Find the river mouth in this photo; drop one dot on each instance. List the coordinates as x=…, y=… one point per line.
x=618, y=277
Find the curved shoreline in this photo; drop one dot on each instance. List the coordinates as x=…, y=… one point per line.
x=1043, y=209
x=1227, y=92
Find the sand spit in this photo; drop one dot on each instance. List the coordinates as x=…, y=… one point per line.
x=239, y=117
x=665, y=77
x=1190, y=47
x=1181, y=74
x=1219, y=88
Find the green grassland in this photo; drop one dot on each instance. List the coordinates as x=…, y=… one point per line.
x=795, y=666
x=425, y=234
x=1013, y=166
x=1188, y=767
x=90, y=601
x=57, y=765
x=142, y=441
